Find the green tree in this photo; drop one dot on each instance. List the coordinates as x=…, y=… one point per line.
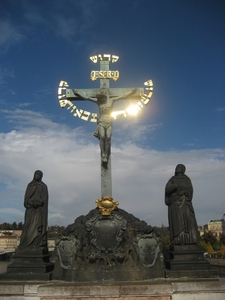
x=20, y=226
x=5, y=226
x=222, y=239
x=14, y=226
x=166, y=242
x=164, y=234
x=210, y=238
x=55, y=231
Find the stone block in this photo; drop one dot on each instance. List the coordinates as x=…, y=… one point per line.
x=31, y=289
x=199, y=286
x=199, y=296
x=18, y=298
x=63, y=290
x=105, y=290
x=110, y=298
x=188, y=257
x=191, y=273
x=11, y=289
x=146, y=289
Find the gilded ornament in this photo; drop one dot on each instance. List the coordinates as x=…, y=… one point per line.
x=106, y=204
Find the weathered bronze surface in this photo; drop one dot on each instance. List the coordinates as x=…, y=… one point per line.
x=178, y=197
x=32, y=259
x=104, y=97
x=108, y=247
x=186, y=256
x=34, y=233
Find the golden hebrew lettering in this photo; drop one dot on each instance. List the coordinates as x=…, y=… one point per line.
x=94, y=58
x=144, y=99
x=64, y=94
x=85, y=115
x=114, y=58
x=63, y=83
x=105, y=57
x=70, y=104
x=73, y=108
x=78, y=113
x=63, y=103
x=108, y=56
x=104, y=75
x=100, y=56
x=94, y=117
x=62, y=89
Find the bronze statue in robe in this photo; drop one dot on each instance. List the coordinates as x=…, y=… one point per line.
x=34, y=233
x=178, y=197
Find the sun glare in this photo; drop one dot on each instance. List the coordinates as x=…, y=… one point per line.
x=133, y=110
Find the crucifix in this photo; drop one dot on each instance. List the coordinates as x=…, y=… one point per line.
x=104, y=97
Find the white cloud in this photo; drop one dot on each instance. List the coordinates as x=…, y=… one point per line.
x=71, y=22
x=70, y=161
x=5, y=73
x=9, y=34
x=66, y=28
x=79, y=18
x=220, y=109
x=134, y=130
x=24, y=104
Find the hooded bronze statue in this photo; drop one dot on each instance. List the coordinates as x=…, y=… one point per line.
x=34, y=233
x=178, y=197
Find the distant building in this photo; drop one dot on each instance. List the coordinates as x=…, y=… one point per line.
x=8, y=242
x=17, y=232
x=11, y=232
x=223, y=223
x=215, y=226
x=4, y=232
x=10, y=239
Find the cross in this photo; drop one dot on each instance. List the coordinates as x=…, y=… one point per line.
x=104, y=97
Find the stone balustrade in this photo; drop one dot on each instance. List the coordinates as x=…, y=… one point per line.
x=160, y=289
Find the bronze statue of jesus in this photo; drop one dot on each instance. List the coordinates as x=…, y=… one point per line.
x=104, y=127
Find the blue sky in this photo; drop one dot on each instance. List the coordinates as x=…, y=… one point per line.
x=180, y=45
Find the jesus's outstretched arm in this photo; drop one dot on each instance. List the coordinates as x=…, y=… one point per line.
x=83, y=97
x=124, y=96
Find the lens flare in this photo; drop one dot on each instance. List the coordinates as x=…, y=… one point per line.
x=133, y=110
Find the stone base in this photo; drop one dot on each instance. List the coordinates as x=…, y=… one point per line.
x=112, y=247
x=187, y=261
x=29, y=276
x=191, y=273
x=103, y=274
x=30, y=264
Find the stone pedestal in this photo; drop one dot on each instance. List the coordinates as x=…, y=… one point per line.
x=112, y=247
x=187, y=261
x=30, y=263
